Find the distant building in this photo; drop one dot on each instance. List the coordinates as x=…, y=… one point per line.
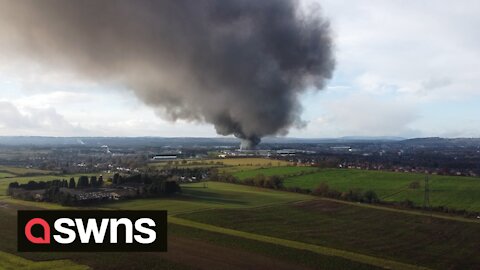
x=115, y=196
x=341, y=148
x=106, y=149
x=286, y=152
x=165, y=157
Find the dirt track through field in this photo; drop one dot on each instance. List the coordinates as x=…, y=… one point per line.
x=202, y=255
x=357, y=257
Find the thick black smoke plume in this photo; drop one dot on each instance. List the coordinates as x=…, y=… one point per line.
x=239, y=65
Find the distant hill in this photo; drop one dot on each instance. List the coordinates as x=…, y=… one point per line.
x=221, y=141
x=113, y=141
x=432, y=141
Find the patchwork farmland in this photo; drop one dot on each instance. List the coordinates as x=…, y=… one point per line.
x=214, y=224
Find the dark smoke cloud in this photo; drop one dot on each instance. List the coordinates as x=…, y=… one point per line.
x=239, y=65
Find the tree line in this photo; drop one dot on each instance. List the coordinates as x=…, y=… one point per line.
x=276, y=182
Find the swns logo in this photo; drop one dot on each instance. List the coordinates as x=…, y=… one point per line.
x=92, y=231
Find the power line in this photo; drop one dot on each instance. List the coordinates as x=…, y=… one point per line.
x=426, y=196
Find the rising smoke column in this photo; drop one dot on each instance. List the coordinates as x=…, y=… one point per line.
x=240, y=65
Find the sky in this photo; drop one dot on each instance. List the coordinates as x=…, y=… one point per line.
x=403, y=68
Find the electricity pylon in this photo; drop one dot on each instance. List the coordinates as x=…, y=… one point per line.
x=426, y=196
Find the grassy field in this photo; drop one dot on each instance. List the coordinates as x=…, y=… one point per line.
x=422, y=240
x=188, y=165
x=252, y=162
x=213, y=225
x=189, y=248
x=46, y=260
x=6, y=175
x=10, y=172
x=210, y=250
x=290, y=255
x=220, y=162
x=224, y=165
x=280, y=171
x=217, y=195
x=5, y=181
x=451, y=191
x=320, y=250
x=12, y=262
x=19, y=171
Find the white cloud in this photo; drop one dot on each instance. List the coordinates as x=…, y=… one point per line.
x=365, y=116
x=34, y=121
x=53, y=99
x=403, y=44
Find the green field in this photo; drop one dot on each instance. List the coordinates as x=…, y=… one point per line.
x=451, y=191
x=6, y=175
x=19, y=171
x=412, y=239
x=10, y=172
x=53, y=260
x=195, y=197
x=22, y=180
x=223, y=223
x=221, y=162
x=224, y=165
x=215, y=196
x=183, y=240
x=12, y=262
x=251, y=162
x=291, y=255
x=279, y=171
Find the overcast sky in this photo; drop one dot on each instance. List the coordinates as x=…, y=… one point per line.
x=404, y=68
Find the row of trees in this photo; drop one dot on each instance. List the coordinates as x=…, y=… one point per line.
x=138, y=178
x=370, y=196
x=57, y=191
x=34, y=185
x=53, y=194
x=440, y=208
x=273, y=182
x=152, y=183
x=354, y=195
x=83, y=182
x=276, y=182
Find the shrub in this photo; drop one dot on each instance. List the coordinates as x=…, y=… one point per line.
x=321, y=190
x=370, y=196
x=407, y=203
x=414, y=185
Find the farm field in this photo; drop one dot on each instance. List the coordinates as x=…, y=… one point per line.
x=251, y=162
x=279, y=171
x=214, y=225
x=6, y=175
x=189, y=248
x=188, y=165
x=102, y=260
x=19, y=171
x=290, y=255
x=189, y=244
x=10, y=172
x=225, y=165
x=12, y=262
x=235, y=169
x=396, y=236
x=221, y=162
x=451, y=191
x=22, y=179
x=195, y=197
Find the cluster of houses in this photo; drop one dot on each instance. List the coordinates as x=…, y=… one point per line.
x=103, y=193
x=407, y=169
x=91, y=194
